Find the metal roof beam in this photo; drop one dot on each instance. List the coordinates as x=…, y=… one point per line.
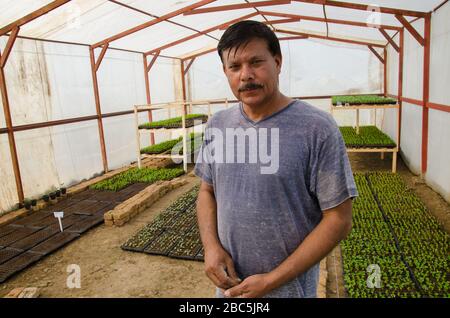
x=363, y=7
x=152, y=22
x=238, y=6
x=193, y=36
x=33, y=15
x=311, y=35
x=333, y=21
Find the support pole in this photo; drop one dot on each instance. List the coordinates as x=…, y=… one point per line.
x=8, y=118
x=426, y=93
x=147, y=91
x=98, y=109
x=183, y=84
x=138, y=137
x=400, y=88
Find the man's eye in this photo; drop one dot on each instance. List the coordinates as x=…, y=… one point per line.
x=256, y=61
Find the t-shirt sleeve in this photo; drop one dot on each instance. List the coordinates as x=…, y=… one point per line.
x=331, y=177
x=203, y=166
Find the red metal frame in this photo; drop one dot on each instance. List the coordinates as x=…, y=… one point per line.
x=400, y=85
x=94, y=67
x=390, y=40
x=326, y=20
x=194, y=9
x=193, y=36
x=238, y=6
x=33, y=15
x=147, y=68
x=311, y=35
x=363, y=7
x=376, y=54
x=426, y=92
x=152, y=22
x=411, y=29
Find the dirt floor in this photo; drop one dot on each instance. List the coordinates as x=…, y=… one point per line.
x=108, y=271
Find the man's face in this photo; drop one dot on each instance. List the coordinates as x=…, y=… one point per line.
x=252, y=72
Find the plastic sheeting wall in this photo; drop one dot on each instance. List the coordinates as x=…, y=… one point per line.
x=310, y=68
x=438, y=173
x=49, y=81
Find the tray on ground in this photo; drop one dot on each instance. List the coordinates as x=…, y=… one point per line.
x=17, y=264
x=7, y=229
x=66, y=221
x=35, y=238
x=7, y=253
x=54, y=243
x=81, y=206
x=163, y=244
x=86, y=194
x=18, y=234
x=85, y=224
x=32, y=218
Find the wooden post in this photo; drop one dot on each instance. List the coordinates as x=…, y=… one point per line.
x=7, y=113
x=138, y=137
x=149, y=100
x=400, y=88
x=11, y=138
x=357, y=121
x=426, y=93
x=98, y=109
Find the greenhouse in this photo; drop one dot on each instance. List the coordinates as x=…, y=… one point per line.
x=106, y=107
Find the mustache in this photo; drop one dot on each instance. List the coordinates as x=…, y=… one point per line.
x=250, y=86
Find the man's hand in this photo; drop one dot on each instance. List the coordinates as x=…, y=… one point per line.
x=255, y=286
x=219, y=268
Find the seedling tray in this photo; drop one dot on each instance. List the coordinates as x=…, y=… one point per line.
x=35, y=238
x=86, y=224
x=17, y=264
x=7, y=253
x=54, y=243
x=16, y=235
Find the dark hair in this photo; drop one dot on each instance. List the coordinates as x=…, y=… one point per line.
x=243, y=32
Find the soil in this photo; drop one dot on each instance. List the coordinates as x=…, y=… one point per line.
x=108, y=271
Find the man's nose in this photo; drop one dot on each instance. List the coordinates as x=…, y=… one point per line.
x=247, y=73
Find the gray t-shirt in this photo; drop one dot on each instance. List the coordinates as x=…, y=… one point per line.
x=266, y=208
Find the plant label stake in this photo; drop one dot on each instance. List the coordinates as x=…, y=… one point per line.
x=59, y=216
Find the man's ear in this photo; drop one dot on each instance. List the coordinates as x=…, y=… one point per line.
x=279, y=62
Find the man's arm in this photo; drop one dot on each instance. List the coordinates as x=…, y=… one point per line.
x=219, y=266
x=334, y=227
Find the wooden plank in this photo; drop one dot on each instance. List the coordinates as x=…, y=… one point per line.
x=364, y=107
x=372, y=150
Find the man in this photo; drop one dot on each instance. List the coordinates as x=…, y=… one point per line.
x=265, y=231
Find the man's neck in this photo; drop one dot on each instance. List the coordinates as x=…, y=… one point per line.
x=259, y=112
